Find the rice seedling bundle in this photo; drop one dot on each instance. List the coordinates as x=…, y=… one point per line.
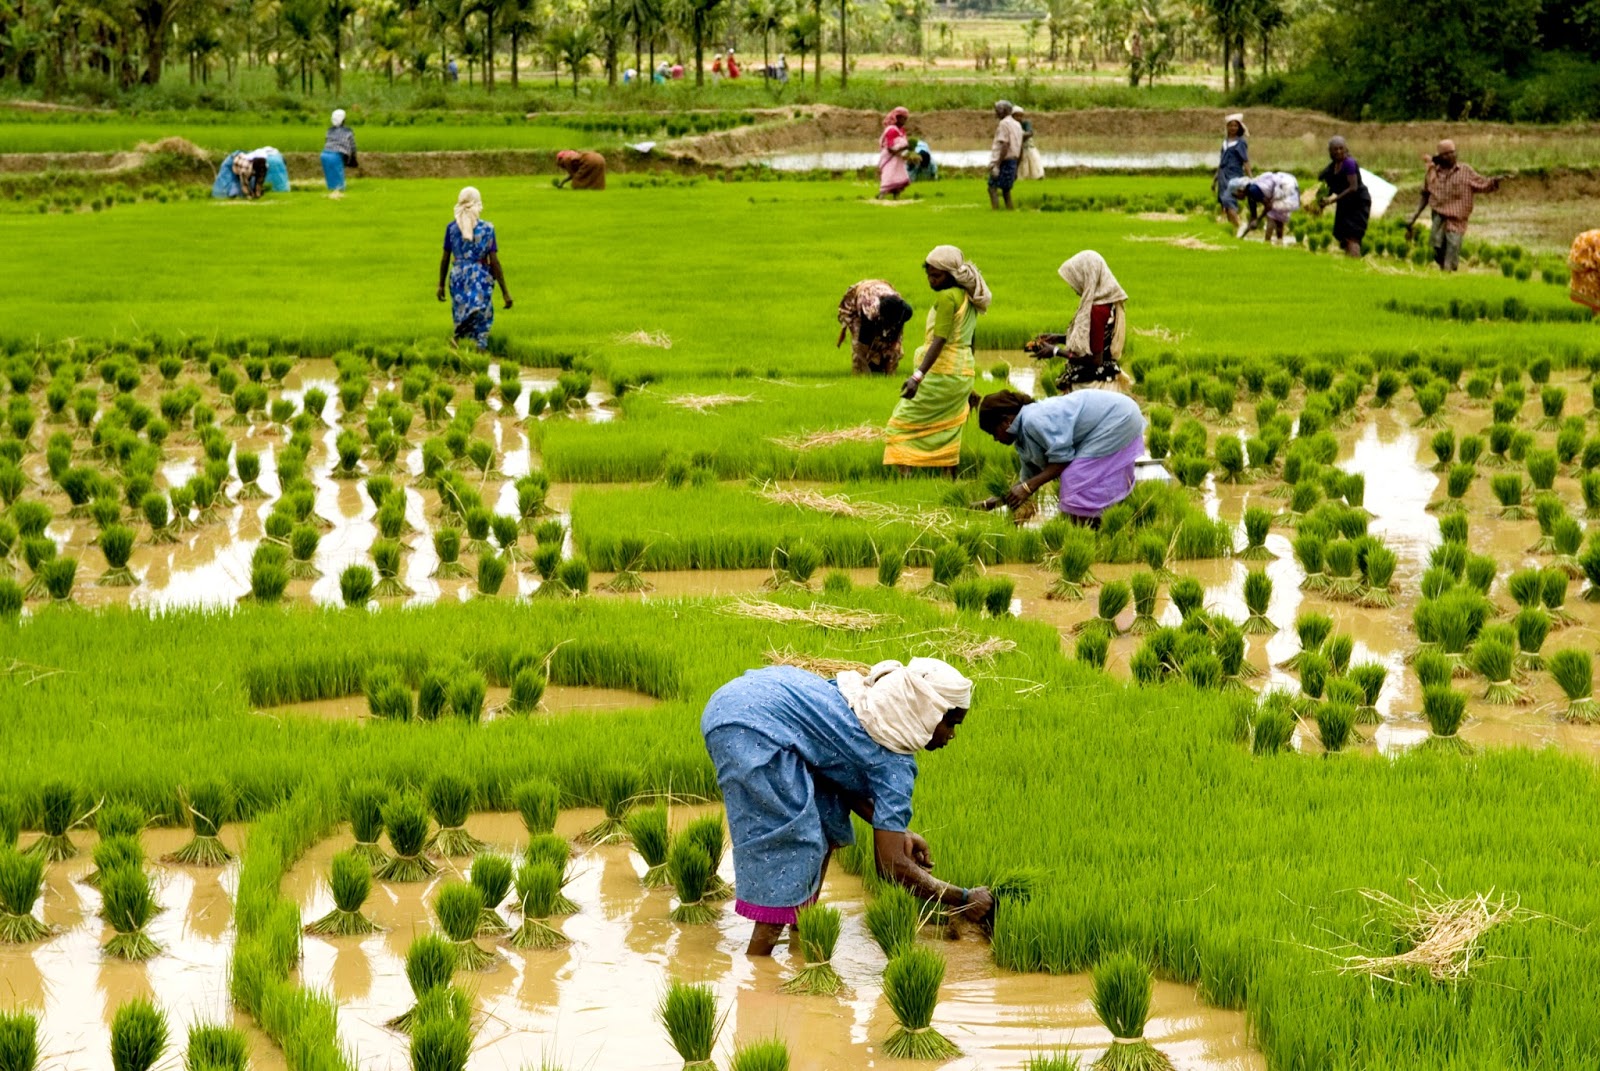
x=1553, y=596
x=911, y=984
x=1507, y=488
x=19, y=1040
x=617, y=786
x=1313, y=630
x=538, y=890
x=1121, y=997
x=1454, y=528
x=689, y=867
x=1573, y=670
x=447, y=545
x=546, y=560
x=11, y=599
x=1203, y=670
x=21, y=882
x=1274, y=726
x=1113, y=599
x=459, y=909
x=768, y=1055
x=1309, y=551
x=116, y=543
x=388, y=697
x=350, y=880
x=539, y=802
x=1430, y=400
x=1314, y=672
x=59, y=810
x=10, y=822
x=647, y=828
x=1588, y=485
x=1093, y=645
x=450, y=799
x=817, y=928
x=967, y=595
x=158, y=516
x=1073, y=562
x=1335, y=725
x=1370, y=678
x=128, y=904
x=1257, y=522
x=1443, y=445
x=1230, y=458
x=430, y=964
x=467, y=691
x=1228, y=642
x=1445, y=709
x=553, y=849
x=1343, y=583
x=1052, y=1061
x=216, y=1048
x=210, y=803
x=1493, y=660
x=386, y=555
x=138, y=1036
x=689, y=1015
x=1479, y=573
x=894, y=918
x=491, y=573
x=1377, y=582
x=365, y=803
x=1533, y=627
x=406, y=819
x=440, y=1040
x=1144, y=588
x=1187, y=595
x=113, y=851
x=1566, y=539
x=303, y=541
x=1338, y=649
x=269, y=574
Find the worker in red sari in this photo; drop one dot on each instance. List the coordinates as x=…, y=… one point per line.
x=1094, y=341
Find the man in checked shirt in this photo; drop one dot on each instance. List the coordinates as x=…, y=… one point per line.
x=1449, y=190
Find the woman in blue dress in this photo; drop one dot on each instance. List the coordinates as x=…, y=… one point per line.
x=1232, y=163
x=470, y=242
x=797, y=754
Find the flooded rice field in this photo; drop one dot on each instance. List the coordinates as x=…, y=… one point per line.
x=851, y=156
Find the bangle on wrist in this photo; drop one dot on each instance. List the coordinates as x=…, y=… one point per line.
x=966, y=896
x=918, y=374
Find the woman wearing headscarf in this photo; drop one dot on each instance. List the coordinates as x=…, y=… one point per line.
x=874, y=315
x=1093, y=343
x=797, y=754
x=1275, y=194
x=585, y=170
x=892, y=149
x=925, y=429
x=338, y=153
x=469, y=241
x=1350, y=197
x=1089, y=440
x=1232, y=163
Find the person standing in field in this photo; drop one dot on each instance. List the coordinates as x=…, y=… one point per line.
x=874, y=315
x=1093, y=343
x=716, y=69
x=925, y=430
x=1341, y=180
x=469, y=241
x=1233, y=163
x=892, y=149
x=1449, y=189
x=1004, y=155
x=338, y=153
x=733, y=66
x=585, y=170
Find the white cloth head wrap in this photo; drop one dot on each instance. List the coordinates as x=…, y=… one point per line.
x=949, y=259
x=1235, y=117
x=469, y=208
x=338, y=117
x=901, y=705
x=1089, y=274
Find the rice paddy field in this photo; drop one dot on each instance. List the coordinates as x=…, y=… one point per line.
x=350, y=684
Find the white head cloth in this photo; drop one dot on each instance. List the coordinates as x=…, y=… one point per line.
x=901, y=705
x=469, y=208
x=1089, y=274
x=338, y=117
x=949, y=259
x=1235, y=117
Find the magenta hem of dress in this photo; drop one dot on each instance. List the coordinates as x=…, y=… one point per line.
x=777, y=916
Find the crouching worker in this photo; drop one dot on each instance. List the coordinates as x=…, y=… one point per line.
x=585, y=170
x=1093, y=343
x=797, y=754
x=873, y=315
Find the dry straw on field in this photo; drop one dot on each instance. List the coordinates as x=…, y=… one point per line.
x=701, y=403
x=823, y=667
x=658, y=339
x=829, y=617
x=816, y=440
x=843, y=506
x=1182, y=241
x=1446, y=933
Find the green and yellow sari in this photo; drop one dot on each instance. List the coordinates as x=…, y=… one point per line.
x=925, y=431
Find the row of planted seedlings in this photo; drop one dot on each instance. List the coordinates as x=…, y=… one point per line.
x=141, y=1038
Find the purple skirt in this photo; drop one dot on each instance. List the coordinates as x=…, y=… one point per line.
x=1092, y=485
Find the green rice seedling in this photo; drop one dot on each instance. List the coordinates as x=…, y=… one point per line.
x=1430, y=400
x=1151, y=548
x=1343, y=583
x=491, y=573
x=689, y=1015
x=406, y=819
x=1507, y=488
x=1566, y=540
x=467, y=692
x=59, y=809
x=1343, y=690
x=1257, y=597
x=1274, y=726
x=546, y=562
x=1144, y=587
x=1230, y=458
x=837, y=584
x=1553, y=401
x=10, y=822
x=19, y=1041
x=527, y=690
x=689, y=867
x=1203, y=670
x=430, y=964
x=1533, y=628
x=1052, y=1061
x=158, y=515
x=1303, y=498
x=1114, y=598
x=1493, y=660
x=439, y=1041
x=1370, y=678
x=768, y=1055
x=21, y=882
x=950, y=562
x=1454, y=528
x=1588, y=484
x=248, y=465
x=997, y=595
x=1073, y=563
x=893, y=918
x=128, y=904
x=459, y=908
x=629, y=578
x=817, y=928
x=388, y=697
x=1121, y=998
x=1443, y=445
x=538, y=888
x=1526, y=587
x=269, y=574
x=1335, y=725
x=618, y=788
x=1377, y=582
x=138, y=1036
x=891, y=563
x=553, y=849
x=1573, y=670
x=350, y=880
x=491, y=873
x=1542, y=466
x=116, y=543
x=572, y=576
x=1500, y=434
x=911, y=984
x=11, y=599
x=447, y=545
x=1093, y=645
x=647, y=828
x=539, y=802
x=708, y=833
x=433, y=693
x=1310, y=551
x=795, y=564
x=111, y=852
x=1314, y=672
x=1445, y=708
x=56, y=576
x=1479, y=573
x=303, y=541
x=386, y=555
x=1589, y=562
x=450, y=798
x=1257, y=522
x=210, y=803
x=1469, y=449
x=1229, y=645
x=1338, y=649
x=1313, y=629
x=216, y=1048
x=1456, y=620
x=365, y=803
x=1187, y=594
x=1433, y=669
x=120, y=819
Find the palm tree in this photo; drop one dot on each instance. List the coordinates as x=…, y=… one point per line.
x=765, y=17
x=522, y=18
x=643, y=19
x=334, y=15
x=573, y=43
x=805, y=35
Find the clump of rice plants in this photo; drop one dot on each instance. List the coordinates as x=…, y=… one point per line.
x=1338, y=649
x=1093, y=645
x=1314, y=672
x=1443, y=445
x=1052, y=1061
x=1257, y=522
x=138, y=1036
x=114, y=851
x=817, y=928
x=1340, y=557
x=19, y=1040
x=350, y=880
x=911, y=984
x=768, y=1055
x=553, y=849
x=303, y=541
x=1073, y=562
x=491, y=873
x=1313, y=628
x=406, y=819
x=1113, y=599
x=893, y=918
x=1454, y=528
x=689, y=1014
x=1188, y=595
x=492, y=570
x=1433, y=669
x=21, y=882
x=1533, y=627
x=459, y=909
x=388, y=697
x=689, y=867
x=707, y=832
x=527, y=690
x=430, y=963
x=1480, y=572
x=356, y=585
x=450, y=799
x=1335, y=725
x=56, y=576
x=1445, y=708
x=647, y=828
x=629, y=578
x=1378, y=567
x=618, y=787
x=59, y=810
x=1274, y=725
x=447, y=545
x=1121, y=998
x=1554, y=582
x=1566, y=539
x=216, y=1048
x=538, y=888
x=210, y=803
x=1542, y=466
x=1370, y=678
x=891, y=564
x=538, y=801
x=128, y=904
x=1573, y=670
x=467, y=691
x=441, y=1037
x=1507, y=488
x=1144, y=587
x=1493, y=660
x=364, y=803
x=116, y=543
x=1309, y=551
x=386, y=555
x=794, y=564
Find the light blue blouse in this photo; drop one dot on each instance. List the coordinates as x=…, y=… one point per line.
x=1083, y=424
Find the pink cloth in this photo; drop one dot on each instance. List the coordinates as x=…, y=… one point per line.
x=777, y=916
x=1092, y=485
x=892, y=174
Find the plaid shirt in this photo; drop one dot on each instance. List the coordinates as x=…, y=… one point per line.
x=1450, y=193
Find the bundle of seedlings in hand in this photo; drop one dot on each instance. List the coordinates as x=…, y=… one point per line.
x=553, y=849
x=1188, y=595
x=459, y=909
x=617, y=786
x=647, y=827
x=689, y=1014
x=911, y=986
x=450, y=798
x=769, y=1055
x=59, y=811
x=364, y=803
x=350, y=880
x=1257, y=522
x=19, y=1041
x=539, y=802
x=689, y=867
x=430, y=963
x=1313, y=629
x=1493, y=660
x=216, y=1048
x=210, y=803
x=1370, y=678
x=894, y=918
x=1507, y=488
x=138, y=1036
x=1309, y=551
x=1573, y=670
x=1257, y=597
x=21, y=882
x=128, y=905
x=1445, y=708
x=1121, y=997
x=1553, y=595
x=1377, y=580
x=491, y=874
x=538, y=889
x=817, y=931
x=406, y=819
x=1144, y=587
x=1533, y=628
x=1073, y=563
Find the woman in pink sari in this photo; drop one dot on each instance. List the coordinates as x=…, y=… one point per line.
x=892, y=148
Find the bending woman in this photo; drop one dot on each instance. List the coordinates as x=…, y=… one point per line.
x=874, y=315
x=796, y=755
x=925, y=429
x=470, y=241
x=1093, y=343
x=1089, y=440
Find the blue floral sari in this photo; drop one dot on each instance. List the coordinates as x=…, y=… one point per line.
x=471, y=283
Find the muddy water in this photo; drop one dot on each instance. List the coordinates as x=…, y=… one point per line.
x=590, y=1005
x=74, y=991
x=558, y=699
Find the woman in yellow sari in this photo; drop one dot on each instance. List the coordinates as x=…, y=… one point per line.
x=925, y=430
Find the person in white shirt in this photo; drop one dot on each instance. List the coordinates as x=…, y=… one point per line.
x=1004, y=155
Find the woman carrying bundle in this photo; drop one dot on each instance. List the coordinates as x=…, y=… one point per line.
x=892, y=149
x=1089, y=440
x=1093, y=343
x=797, y=754
x=470, y=242
x=925, y=429
x=874, y=315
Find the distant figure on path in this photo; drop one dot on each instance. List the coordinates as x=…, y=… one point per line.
x=453, y=71
x=925, y=430
x=1093, y=343
x=874, y=315
x=585, y=170
x=1274, y=195
x=1449, y=189
x=338, y=153
x=1004, y=155
x=892, y=150
x=1345, y=190
x=716, y=69
x=1584, y=260
x=1233, y=163
x=469, y=240
x=1030, y=166
x=733, y=66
